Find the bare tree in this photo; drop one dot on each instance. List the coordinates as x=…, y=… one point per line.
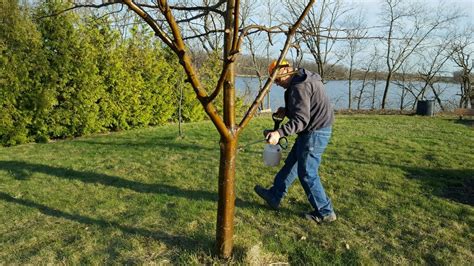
x=178, y=25
x=370, y=66
x=320, y=32
x=462, y=53
x=409, y=24
x=356, y=32
x=360, y=94
x=256, y=43
x=377, y=65
x=407, y=87
x=432, y=61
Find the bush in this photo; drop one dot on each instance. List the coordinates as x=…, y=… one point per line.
x=67, y=76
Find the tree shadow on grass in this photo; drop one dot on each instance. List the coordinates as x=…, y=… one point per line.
x=464, y=121
x=151, y=144
x=197, y=143
x=23, y=170
x=196, y=244
x=453, y=184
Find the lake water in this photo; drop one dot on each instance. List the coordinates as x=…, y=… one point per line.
x=337, y=90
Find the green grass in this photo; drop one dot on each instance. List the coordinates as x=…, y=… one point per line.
x=402, y=187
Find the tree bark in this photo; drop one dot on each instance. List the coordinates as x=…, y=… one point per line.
x=226, y=203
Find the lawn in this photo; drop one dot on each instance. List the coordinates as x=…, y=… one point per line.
x=402, y=186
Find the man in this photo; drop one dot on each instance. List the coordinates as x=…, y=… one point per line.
x=310, y=116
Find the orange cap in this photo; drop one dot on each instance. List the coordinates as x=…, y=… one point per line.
x=272, y=65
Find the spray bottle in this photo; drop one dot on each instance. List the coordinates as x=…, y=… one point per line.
x=272, y=153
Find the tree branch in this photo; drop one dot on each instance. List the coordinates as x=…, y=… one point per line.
x=292, y=31
x=151, y=22
x=185, y=61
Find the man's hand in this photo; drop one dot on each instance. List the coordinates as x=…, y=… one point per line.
x=272, y=137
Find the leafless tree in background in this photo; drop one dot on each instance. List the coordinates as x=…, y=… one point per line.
x=407, y=87
x=370, y=66
x=462, y=55
x=356, y=32
x=361, y=92
x=431, y=62
x=256, y=43
x=320, y=31
x=376, y=67
x=409, y=24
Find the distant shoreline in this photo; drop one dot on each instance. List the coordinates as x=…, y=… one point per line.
x=442, y=79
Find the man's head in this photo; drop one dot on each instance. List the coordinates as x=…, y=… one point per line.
x=284, y=74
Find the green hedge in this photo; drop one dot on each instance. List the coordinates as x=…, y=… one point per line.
x=65, y=76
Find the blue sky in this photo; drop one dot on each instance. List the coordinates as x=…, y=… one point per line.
x=373, y=6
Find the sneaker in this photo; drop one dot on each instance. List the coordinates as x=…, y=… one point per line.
x=267, y=196
x=314, y=216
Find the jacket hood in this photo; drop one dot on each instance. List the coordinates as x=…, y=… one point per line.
x=302, y=75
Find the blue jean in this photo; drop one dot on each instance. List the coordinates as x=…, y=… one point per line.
x=303, y=161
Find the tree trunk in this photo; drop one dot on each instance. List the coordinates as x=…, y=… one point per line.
x=385, y=91
x=437, y=97
x=361, y=92
x=467, y=90
x=374, y=90
x=402, y=98
x=350, y=85
x=228, y=147
x=226, y=204
x=404, y=89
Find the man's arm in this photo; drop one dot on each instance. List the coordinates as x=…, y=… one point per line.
x=298, y=111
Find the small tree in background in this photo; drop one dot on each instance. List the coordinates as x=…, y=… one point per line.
x=409, y=26
x=462, y=56
x=356, y=32
x=320, y=32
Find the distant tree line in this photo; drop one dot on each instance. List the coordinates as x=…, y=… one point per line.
x=74, y=74
x=412, y=47
x=336, y=72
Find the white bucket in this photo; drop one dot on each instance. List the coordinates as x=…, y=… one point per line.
x=272, y=155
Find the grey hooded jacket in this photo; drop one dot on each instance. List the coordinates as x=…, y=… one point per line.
x=307, y=106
